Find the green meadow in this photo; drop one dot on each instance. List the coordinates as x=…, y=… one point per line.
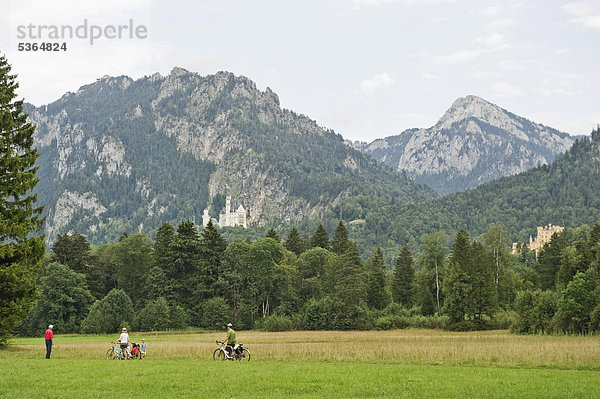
x=322, y=364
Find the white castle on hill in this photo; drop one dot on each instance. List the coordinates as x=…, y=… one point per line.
x=230, y=216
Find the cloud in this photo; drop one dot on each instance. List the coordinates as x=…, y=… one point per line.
x=492, y=11
x=429, y=76
x=486, y=75
x=374, y=83
x=506, y=90
x=482, y=45
x=583, y=14
x=508, y=65
x=25, y=11
x=358, y=4
x=438, y=19
x=499, y=24
x=459, y=57
x=409, y=115
x=491, y=40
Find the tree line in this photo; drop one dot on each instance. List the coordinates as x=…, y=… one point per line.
x=192, y=277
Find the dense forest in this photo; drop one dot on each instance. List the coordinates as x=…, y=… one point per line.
x=190, y=278
x=563, y=193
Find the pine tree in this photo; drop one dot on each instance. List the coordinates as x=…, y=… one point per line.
x=185, y=264
x=484, y=297
x=212, y=247
x=378, y=296
x=340, y=242
x=273, y=234
x=549, y=260
x=294, y=242
x=349, y=288
x=162, y=244
x=20, y=250
x=433, y=254
x=73, y=251
x=320, y=238
x=403, y=280
x=457, y=284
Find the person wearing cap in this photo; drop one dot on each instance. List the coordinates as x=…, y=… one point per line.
x=124, y=342
x=49, y=336
x=230, y=340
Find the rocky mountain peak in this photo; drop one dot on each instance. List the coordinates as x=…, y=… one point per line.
x=478, y=108
x=473, y=142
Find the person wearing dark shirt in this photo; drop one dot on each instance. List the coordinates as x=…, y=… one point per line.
x=49, y=335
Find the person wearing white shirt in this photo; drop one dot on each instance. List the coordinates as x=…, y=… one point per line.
x=124, y=342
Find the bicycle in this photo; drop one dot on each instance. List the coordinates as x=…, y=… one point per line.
x=115, y=353
x=240, y=353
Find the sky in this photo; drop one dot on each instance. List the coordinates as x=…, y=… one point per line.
x=365, y=68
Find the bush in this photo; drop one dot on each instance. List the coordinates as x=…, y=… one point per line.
x=156, y=316
x=401, y=321
x=319, y=315
x=502, y=320
x=536, y=309
x=107, y=315
x=178, y=318
x=216, y=313
x=276, y=323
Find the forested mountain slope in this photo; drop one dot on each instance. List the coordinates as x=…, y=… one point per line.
x=127, y=155
x=565, y=192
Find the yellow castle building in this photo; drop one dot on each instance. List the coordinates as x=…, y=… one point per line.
x=544, y=235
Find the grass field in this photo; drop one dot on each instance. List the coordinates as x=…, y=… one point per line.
x=391, y=364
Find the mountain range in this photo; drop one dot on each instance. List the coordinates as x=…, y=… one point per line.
x=473, y=142
x=124, y=155
x=127, y=155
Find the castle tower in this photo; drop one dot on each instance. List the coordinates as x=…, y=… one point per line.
x=228, y=215
x=205, y=218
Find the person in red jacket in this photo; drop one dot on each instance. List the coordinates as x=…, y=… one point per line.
x=49, y=335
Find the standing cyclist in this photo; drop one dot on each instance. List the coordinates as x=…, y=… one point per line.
x=124, y=342
x=230, y=340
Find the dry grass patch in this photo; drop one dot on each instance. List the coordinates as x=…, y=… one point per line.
x=404, y=346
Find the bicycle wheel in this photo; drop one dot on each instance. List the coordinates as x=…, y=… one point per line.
x=110, y=354
x=222, y=355
x=218, y=354
x=244, y=356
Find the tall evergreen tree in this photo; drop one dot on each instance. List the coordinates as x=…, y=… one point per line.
x=212, y=248
x=73, y=250
x=457, y=284
x=183, y=271
x=20, y=250
x=350, y=287
x=294, y=242
x=320, y=238
x=340, y=242
x=273, y=234
x=378, y=296
x=549, y=260
x=162, y=245
x=403, y=279
x=432, y=259
x=484, y=297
